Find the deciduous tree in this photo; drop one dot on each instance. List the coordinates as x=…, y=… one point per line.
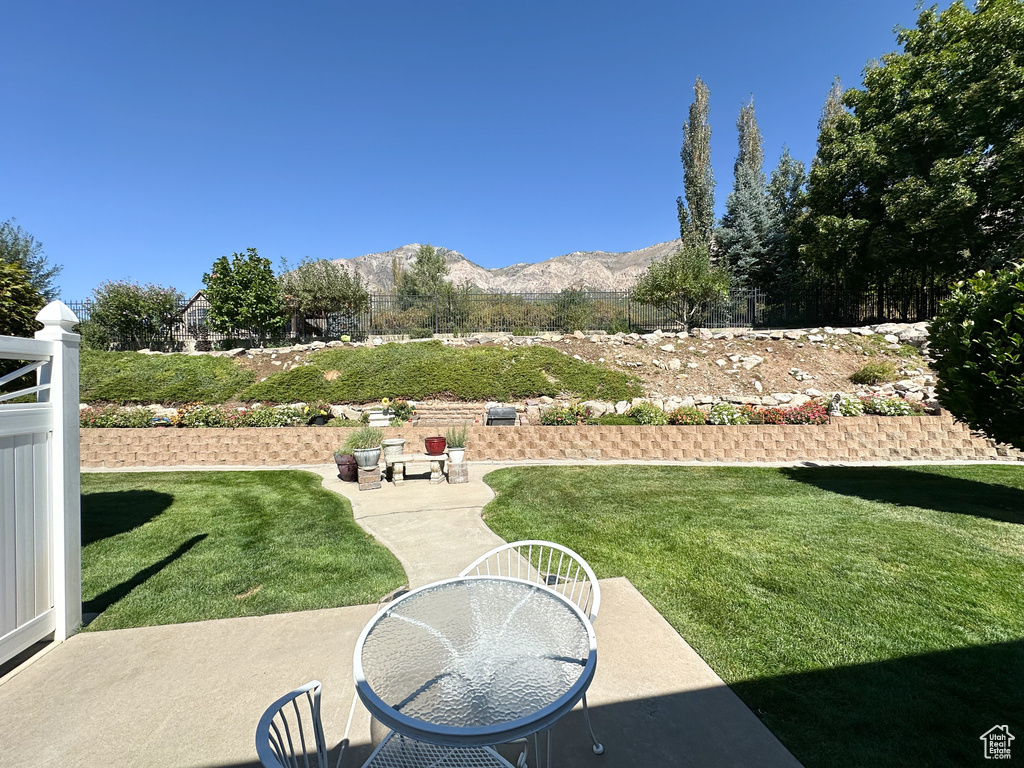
x=20, y=302
x=130, y=315
x=923, y=182
x=244, y=295
x=682, y=281
x=19, y=247
x=319, y=288
x=697, y=213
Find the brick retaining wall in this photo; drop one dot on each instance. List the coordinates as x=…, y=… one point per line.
x=865, y=438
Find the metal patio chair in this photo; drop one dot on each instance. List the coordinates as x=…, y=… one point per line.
x=291, y=735
x=556, y=567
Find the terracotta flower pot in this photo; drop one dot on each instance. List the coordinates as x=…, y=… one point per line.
x=434, y=445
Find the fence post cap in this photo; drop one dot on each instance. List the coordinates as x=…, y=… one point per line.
x=57, y=313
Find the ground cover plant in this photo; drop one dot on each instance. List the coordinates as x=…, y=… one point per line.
x=128, y=377
x=429, y=369
x=170, y=547
x=870, y=616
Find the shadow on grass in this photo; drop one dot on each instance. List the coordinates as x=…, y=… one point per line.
x=926, y=710
x=907, y=487
x=104, y=600
x=109, y=514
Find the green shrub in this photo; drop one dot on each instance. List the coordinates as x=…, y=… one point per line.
x=315, y=409
x=567, y=416
x=112, y=416
x=687, y=416
x=259, y=415
x=874, y=373
x=618, y=325
x=850, y=405
x=726, y=413
x=890, y=406
x=648, y=414
x=978, y=341
x=402, y=411
x=615, y=420
x=429, y=369
x=203, y=415
x=128, y=377
x=752, y=415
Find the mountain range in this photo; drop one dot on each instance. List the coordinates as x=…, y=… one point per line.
x=594, y=270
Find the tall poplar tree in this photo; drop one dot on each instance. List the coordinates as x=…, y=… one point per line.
x=747, y=224
x=697, y=213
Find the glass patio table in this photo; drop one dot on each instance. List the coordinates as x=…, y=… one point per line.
x=477, y=660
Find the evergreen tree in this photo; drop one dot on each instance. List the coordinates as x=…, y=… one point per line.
x=786, y=205
x=748, y=223
x=697, y=214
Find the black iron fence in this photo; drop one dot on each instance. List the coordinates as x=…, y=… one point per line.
x=530, y=313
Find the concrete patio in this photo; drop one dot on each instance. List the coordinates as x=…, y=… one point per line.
x=190, y=694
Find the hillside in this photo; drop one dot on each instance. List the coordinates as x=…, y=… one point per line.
x=597, y=270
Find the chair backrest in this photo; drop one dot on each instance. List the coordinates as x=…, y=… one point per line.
x=290, y=732
x=547, y=563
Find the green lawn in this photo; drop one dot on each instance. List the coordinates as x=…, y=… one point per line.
x=169, y=547
x=871, y=617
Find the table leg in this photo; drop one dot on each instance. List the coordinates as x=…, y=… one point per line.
x=435, y=471
x=398, y=473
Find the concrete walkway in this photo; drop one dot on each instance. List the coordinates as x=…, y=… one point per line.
x=189, y=695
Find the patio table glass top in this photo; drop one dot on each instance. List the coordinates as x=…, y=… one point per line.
x=475, y=660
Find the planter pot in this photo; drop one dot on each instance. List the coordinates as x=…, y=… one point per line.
x=346, y=467
x=434, y=445
x=456, y=455
x=394, y=446
x=367, y=458
x=318, y=421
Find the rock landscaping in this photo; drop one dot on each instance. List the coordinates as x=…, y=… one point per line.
x=777, y=369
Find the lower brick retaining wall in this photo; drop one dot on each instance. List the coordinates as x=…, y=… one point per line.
x=866, y=438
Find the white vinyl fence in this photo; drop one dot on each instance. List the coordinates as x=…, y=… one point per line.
x=40, y=506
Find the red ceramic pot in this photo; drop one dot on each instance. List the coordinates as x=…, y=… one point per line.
x=435, y=445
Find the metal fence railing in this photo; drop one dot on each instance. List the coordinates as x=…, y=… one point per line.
x=528, y=313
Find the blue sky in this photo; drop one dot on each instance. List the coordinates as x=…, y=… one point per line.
x=143, y=140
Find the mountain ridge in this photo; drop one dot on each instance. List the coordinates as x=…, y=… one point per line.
x=593, y=270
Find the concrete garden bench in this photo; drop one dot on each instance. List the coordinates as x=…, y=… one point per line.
x=396, y=465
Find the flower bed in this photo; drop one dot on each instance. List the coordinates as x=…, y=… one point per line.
x=728, y=414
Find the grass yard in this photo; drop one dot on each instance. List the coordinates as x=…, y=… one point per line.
x=170, y=547
x=870, y=616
